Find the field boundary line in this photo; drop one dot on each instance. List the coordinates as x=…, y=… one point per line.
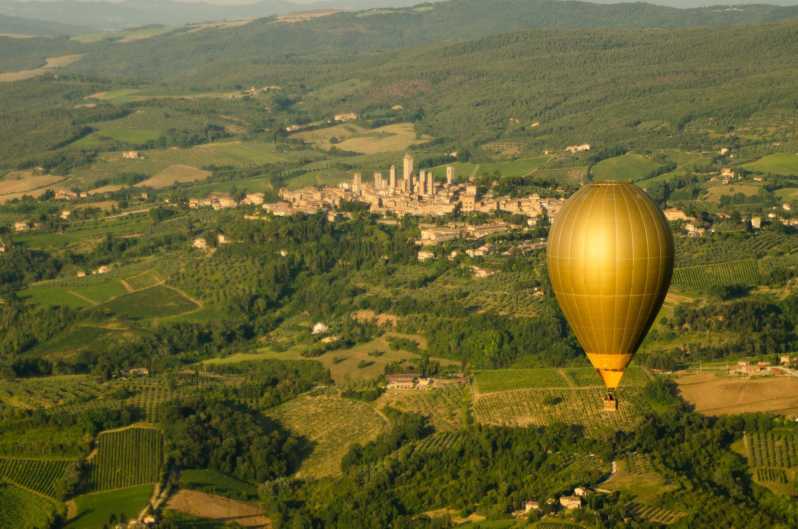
x=137, y=426
x=84, y=298
x=127, y=286
x=568, y=380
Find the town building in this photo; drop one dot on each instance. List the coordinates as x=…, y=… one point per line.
x=425, y=255
x=320, y=328
x=573, y=149
x=346, y=116
x=570, y=502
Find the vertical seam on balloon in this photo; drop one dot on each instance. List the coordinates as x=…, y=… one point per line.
x=572, y=301
x=592, y=333
x=614, y=331
x=657, y=222
x=629, y=313
x=635, y=339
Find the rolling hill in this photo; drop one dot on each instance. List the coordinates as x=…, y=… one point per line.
x=40, y=28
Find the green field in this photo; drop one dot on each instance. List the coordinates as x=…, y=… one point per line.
x=127, y=457
x=627, y=168
x=94, y=510
x=51, y=296
x=155, y=302
x=87, y=233
x=781, y=164
x=489, y=381
x=20, y=509
x=142, y=126
x=214, y=482
x=232, y=153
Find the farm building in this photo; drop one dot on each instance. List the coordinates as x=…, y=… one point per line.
x=346, y=116
x=21, y=226
x=200, y=243
x=104, y=269
x=526, y=508
x=280, y=209
x=401, y=381
x=425, y=255
x=320, y=328
x=131, y=155
x=573, y=149
x=65, y=194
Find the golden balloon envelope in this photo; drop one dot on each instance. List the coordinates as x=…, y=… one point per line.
x=610, y=260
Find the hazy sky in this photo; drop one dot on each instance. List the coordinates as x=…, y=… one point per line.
x=673, y=3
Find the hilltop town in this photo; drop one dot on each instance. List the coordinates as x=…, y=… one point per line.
x=415, y=193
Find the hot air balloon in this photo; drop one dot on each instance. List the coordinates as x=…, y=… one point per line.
x=610, y=260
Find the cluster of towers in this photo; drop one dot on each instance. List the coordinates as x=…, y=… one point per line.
x=421, y=185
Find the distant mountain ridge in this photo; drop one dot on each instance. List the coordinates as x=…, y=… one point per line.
x=104, y=15
x=327, y=38
x=27, y=26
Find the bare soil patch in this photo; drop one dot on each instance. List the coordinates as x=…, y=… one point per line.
x=19, y=183
x=713, y=394
x=52, y=64
x=202, y=505
x=296, y=18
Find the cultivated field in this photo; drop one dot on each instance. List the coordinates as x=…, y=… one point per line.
x=40, y=475
x=233, y=153
x=155, y=302
x=345, y=365
x=773, y=458
x=628, y=168
x=92, y=511
x=781, y=164
x=20, y=509
x=634, y=473
x=52, y=63
x=539, y=407
x=701, y=277
x=333, y=424
x=714, y=394
x=714, y=193
x=354, y=138
x=445, y=406
x=212, y=507
x=175, y=174
x=493, y=380
x=16, y=184
x=127, y=457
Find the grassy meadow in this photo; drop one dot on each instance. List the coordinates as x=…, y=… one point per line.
x=94, y=510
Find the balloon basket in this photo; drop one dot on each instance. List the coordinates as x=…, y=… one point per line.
x=610, y=403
